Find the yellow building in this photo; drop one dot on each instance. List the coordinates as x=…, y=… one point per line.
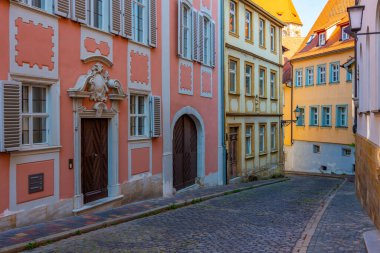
x=253, y=70
x=322, y=139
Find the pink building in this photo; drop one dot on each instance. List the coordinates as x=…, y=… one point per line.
x=105, y=102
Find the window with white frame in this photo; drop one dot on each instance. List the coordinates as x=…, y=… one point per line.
x=322, y=39
x=46, y=5
x=322, y=74
x=262, y=144
x=138, y=113
x=341, y=115
x=233, y=76
x=326, y=116
x=299, y=78
x=314, y=116
x=262, y=78
x=248, y=25
x=248, y=79
x=207, y=41
x=349, y=75
x=233, y=17
x=261, y=32
x=309, y=76
x=273, y=137
x=345, y=35
x=273, y=38
x=34, y=114
x=140, y=21
x=334, y=72
x=98, y=14
x=301, y=118
x=273, y=88
x=186, y=31
x=248, y=141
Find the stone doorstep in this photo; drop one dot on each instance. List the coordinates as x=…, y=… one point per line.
x=115, y=221
x=372, y=241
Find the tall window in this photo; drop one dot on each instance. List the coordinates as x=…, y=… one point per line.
x=186, y=31
x=248, y=79
x=262, y=144
x=248, y=25
x=322, y=39
x=341, y=115
x=262, y=32
x=233, y=17
x=310, y=76
x=349, y=75
x=326, y=116
x=233, y=76
x=248, y=140
x=139, y=20
x=334, y=72
x=314, y=116
x=273, y=87
x=345, y=35
x=273, y=137
x=262, y=79
x=138, y=116
x=299, y=78
x=207, y=42
x=98, y=14
x=322, y=74
x=34, y=115
x=273, y=39
x=301, y=118
x=46, y=5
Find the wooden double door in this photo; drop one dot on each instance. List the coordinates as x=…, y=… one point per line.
x=185, y=152
x=94, y=145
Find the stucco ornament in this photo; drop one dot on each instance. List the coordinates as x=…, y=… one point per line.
x=97, y=86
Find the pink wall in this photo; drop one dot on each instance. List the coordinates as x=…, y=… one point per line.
x=140, y=160
x=23, y=171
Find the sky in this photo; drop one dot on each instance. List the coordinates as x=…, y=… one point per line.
x=309, y=11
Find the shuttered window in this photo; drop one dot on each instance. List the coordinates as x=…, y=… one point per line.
x=80, y=8
x=139, y=21
x=138, y=112
x=155, y=116
x=98, y=14
x=46, y=5
x=62, y=8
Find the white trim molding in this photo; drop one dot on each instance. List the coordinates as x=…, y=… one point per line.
x=139, y=145
x=182, y=90
x=209, y=71
x=144, y=51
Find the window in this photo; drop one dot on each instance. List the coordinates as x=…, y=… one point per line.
x=273, y=137
x=186, y=31
x=322, y=74
x=46, y=5
x=341, y=115
x=349, y=75
x=207, y=42
x=334, y=72
x=248, y=79
x=273, y=39
x=262, y=144
x=98, y=14
x=138, y=116
x=248, y=25
x=273, y=88
x=139, y=21
x=301, y=118
x=310, y=38
x=310, y=76
x=326, y=116
x=248, y=141
x=322, y=39
x=314, y=116
x=316, y=149
x=345, y=35
x=262, y=32
x=34, y=115
x=233, y=18
x=299, y=78
x=233, y=76
x=346, y=152
x=262, y=81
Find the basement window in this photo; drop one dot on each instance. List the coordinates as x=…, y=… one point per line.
x=346, y=152
x=316, y=149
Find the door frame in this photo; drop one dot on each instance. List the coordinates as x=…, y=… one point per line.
x=239, y=143
x=168, y=188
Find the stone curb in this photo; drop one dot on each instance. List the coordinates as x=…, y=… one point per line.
x=299, y=173
x=154, y=211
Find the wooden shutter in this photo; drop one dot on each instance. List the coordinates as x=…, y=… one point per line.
x=201, y=37
x=153, y=23
x=195, y=35
x=212, y=49
x=10, y=116
x=116, y=16
x=128, y=19
x=62, y=8
x=180, y=39
x=155, y=116
x=80, y=8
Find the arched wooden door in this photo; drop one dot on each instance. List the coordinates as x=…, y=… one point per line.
x=184, y=153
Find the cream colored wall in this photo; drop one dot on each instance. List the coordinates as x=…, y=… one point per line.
x=329, y=95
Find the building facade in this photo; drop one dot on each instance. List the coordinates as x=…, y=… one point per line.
x=106, y=102
x=368, y=104
x=322, y=140
x=253, y=70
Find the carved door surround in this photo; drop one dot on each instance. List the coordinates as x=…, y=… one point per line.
x=99, y=88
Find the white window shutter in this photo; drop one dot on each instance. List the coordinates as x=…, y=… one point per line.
x=195, y=35
x=153, y=23
x=62, y=8
x=80, y=8
x=127, y=19
x=10, y=116
x=201, y=37
x=116, y=16
x=180, y=33
x=155, y=103
x=213, y=45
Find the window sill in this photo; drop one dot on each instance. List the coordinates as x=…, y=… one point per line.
x=262, y=97
x=38, y=150
x=313, y=125
x=309, y=85
x=274, y=151
x=321, y=84
x=35, y=9
x=139, y=43
x=342, y=127
x=97, y=29
x=300, y=86
x=249, y=41
x=334, y=83
x=234, y=93
x=250, y=95
x=300, y=125
x=249, y=157
x=263, y=154
x=263, y=47
x=274, y=99
x=234, y=34
x=274, y=52
x=137, y=139
x=185, y=59
x=326, y=126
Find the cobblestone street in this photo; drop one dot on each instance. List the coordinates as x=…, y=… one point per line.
x=267, y=219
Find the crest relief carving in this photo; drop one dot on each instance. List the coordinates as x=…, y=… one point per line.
x=97, y=86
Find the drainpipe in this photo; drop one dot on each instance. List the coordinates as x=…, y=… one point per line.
x=223, y=109
x=355, y=126
x=291, y=105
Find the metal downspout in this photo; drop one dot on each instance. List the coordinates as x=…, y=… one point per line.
x=223, y=109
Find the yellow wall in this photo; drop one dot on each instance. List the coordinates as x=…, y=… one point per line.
x=287, y=114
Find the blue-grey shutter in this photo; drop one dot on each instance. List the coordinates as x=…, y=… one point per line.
x=155, y=119
x=153, y=23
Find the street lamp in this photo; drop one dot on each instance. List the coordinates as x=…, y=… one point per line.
x=355, y=14
x=297, y=114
